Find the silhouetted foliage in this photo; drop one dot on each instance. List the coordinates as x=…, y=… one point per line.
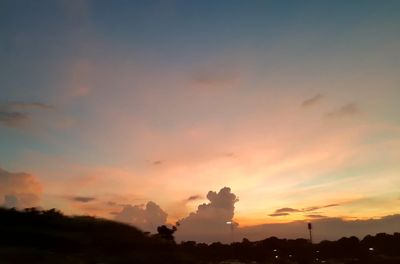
x=36, y=236
x=166, y=233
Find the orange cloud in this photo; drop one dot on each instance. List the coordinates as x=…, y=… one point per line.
x=19, y=190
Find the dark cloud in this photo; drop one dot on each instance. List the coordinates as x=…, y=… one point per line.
x=194, y=198
x=158, y=162
x=278, y=214
x=210, y=221
x=19, y=189
x=9, y=118
x=16, y=113
x=345, y=110
x=287, y=210
x=147, y=218
x=312, y=101
x=83, y=199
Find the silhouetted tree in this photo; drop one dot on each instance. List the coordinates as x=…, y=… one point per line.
x=166, y=233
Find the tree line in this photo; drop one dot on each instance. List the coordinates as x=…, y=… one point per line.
x=48, y=236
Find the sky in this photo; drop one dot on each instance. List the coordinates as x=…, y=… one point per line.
x=151, y=112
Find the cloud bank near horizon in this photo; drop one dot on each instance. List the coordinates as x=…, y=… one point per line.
x=323, y=229
x=19, y=189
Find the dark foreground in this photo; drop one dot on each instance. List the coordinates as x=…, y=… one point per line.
x=33, y=236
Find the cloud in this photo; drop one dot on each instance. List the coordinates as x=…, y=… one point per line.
x=229, y=154
x=147, y=218
x=19, y=189
x=278, y=214
x=83, y=199
x=16, y=113
x=323, y=229
x=9, y=118
x=194, y=198
x=27, y=105
x=316, y=216
x=345, y=110
x=312, y=101
x=209, y=222
x=332, y=205
x=288, y=210
x=157, y=162
x=212, y=80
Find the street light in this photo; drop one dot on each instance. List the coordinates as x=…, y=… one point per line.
x=231, y=223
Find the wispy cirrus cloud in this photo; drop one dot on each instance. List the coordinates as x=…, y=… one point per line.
x=11, y=118
x=316, y=216
x=216, y=79
x=312, y=100
x=194, y=198
x=15, y=113
x=28, y=105
x=288, y=210
x=345, y=110
x=83, y=199
x=279, y=214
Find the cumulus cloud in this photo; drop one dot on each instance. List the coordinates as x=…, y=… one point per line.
x=19, y=189
x=345, y=110
x=83, y=199
x=312, y=101
x=209, y=222
x=16, y=113
x=147, y=218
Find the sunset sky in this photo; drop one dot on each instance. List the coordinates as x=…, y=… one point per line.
x=293, y=105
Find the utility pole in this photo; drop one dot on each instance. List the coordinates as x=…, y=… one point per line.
x=309, y=229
